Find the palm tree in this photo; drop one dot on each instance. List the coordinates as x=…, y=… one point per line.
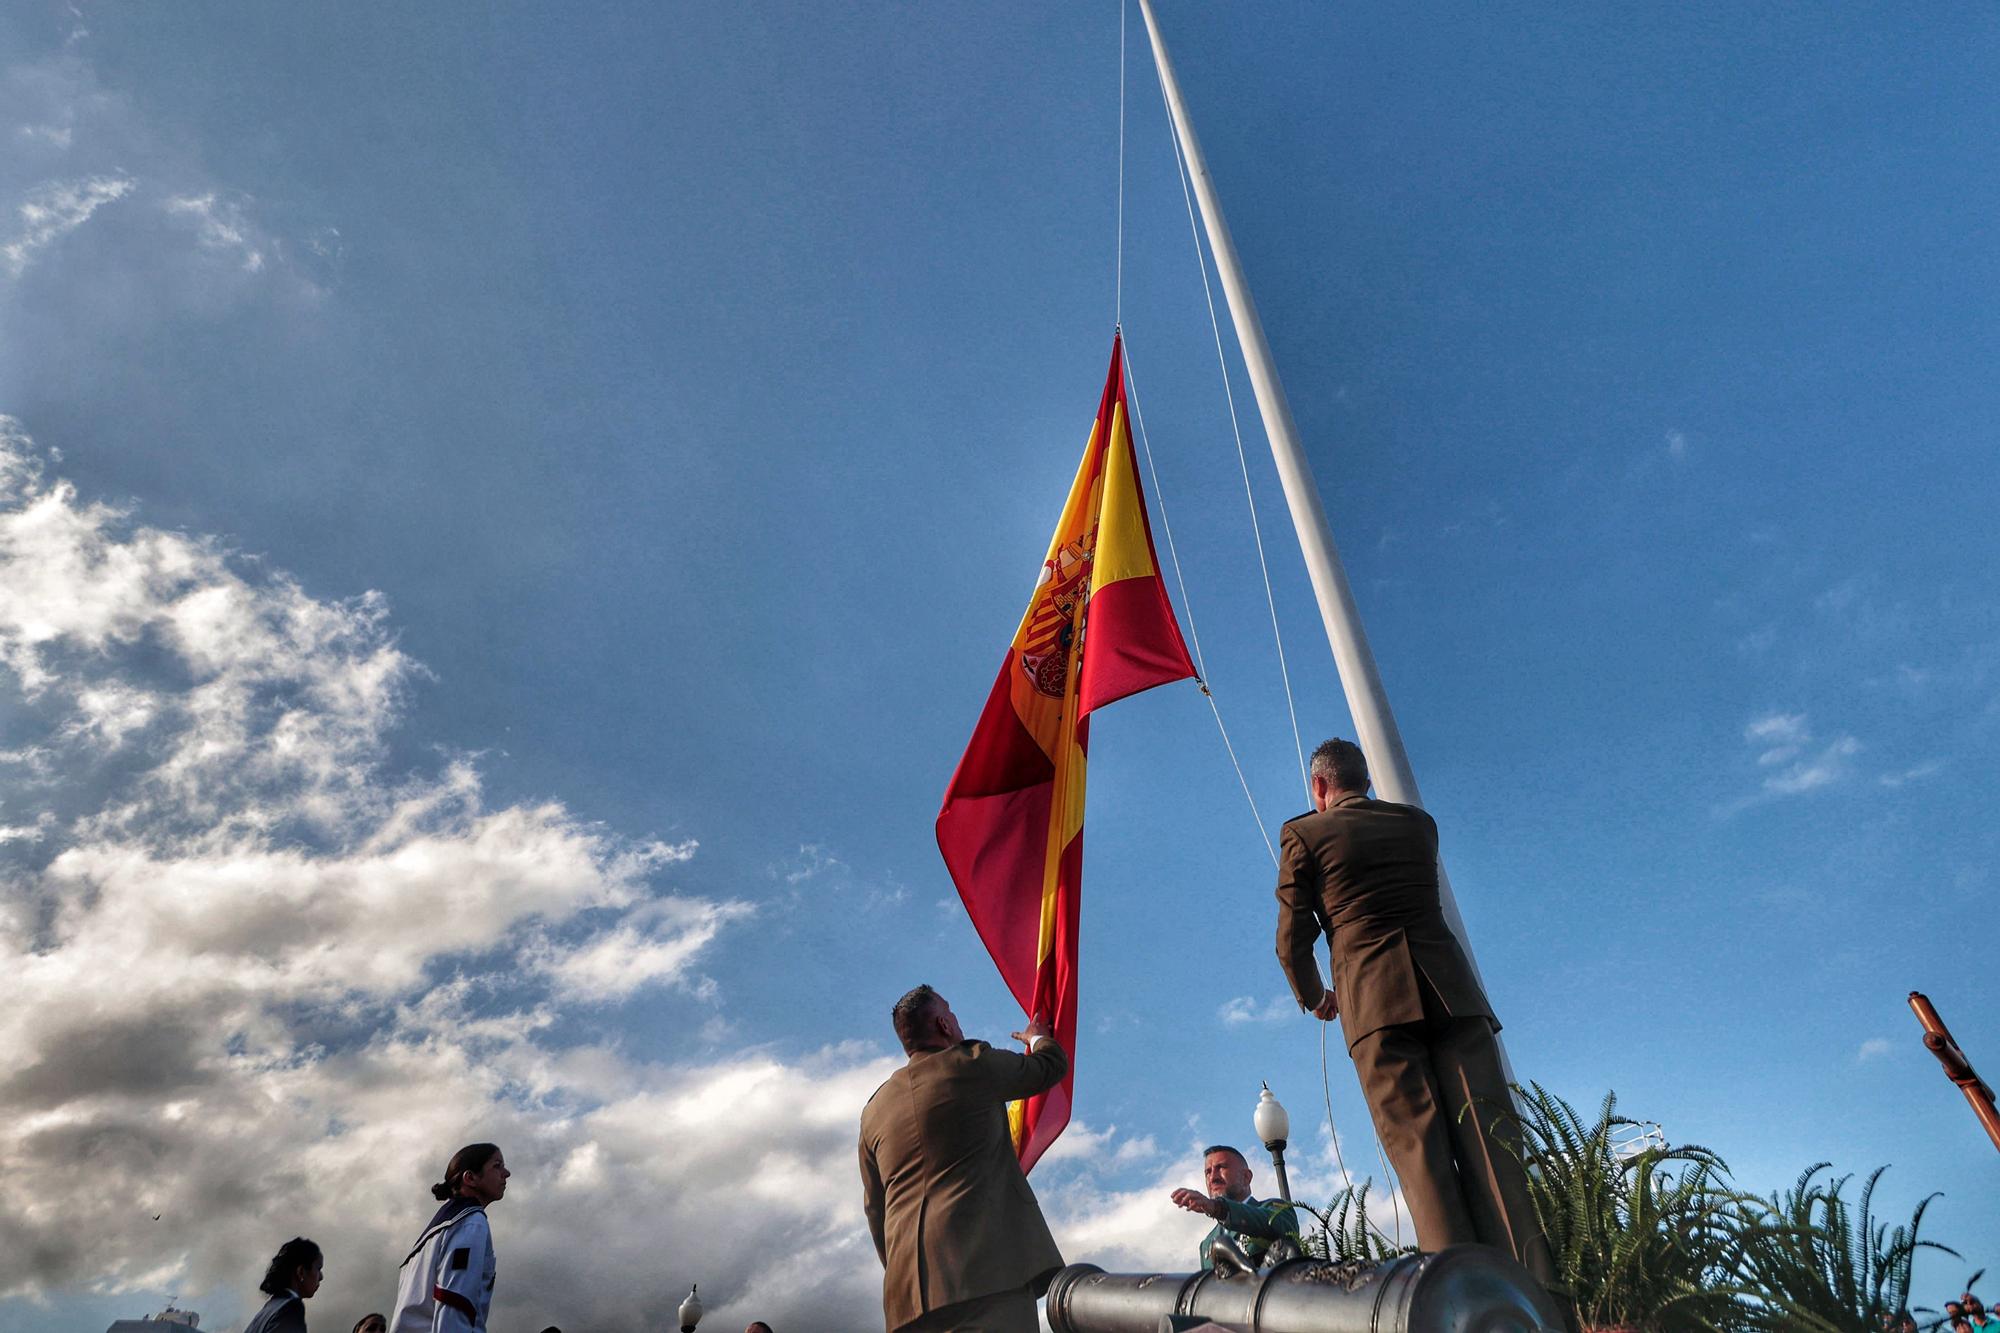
x=1645, y=1240
x=1820, y=1266
x=1345, y=1235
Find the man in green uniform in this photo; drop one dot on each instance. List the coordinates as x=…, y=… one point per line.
x=1253, y=1224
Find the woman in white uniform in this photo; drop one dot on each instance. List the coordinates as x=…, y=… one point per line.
x=446, y=1284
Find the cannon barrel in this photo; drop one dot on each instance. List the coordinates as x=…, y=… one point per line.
x=1464, y=1289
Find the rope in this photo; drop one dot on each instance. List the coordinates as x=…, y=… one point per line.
x=1118, y=297
x=1236, y=428
x=1326, y=1091
x=1389, y=1181
x=1257, y=529
x=1263, y=566
x=1187, y=607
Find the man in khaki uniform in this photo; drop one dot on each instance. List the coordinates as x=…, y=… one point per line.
x=963, y=1245
x=1418, y=1026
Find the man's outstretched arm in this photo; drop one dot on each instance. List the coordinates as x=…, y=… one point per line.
x=1266, y=1219
x=1014, y=1076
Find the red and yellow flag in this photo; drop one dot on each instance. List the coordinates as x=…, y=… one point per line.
x=1099, y=627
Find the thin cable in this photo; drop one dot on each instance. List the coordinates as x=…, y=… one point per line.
x=1389, y=1182
x=1236, y=428
x=1326, y=1091
x=1118, y=298
x=1187, y=607
x=1270, y=598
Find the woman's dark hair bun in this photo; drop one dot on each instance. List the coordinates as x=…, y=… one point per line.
x=294, y=1254
x=472, y=1157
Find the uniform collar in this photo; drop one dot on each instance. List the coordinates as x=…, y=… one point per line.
x=453, y=1206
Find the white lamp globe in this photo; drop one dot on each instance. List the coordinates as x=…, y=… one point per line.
x=690, y=1312
x=1273, y=1125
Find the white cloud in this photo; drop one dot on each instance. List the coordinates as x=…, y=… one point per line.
x=26, y=832
x=1245, y=1009
x=182, y=241
x=1777, y=727
x=817, y=874
x=1824, y=768
x=1677, y=446
x=812, y=861
x=1784, y=741
x=1875, y=1048
x=111, y=712
x=1100, y=1148
x=654, y=947
x=266, y=988
x=220, y=226
x=57, y=137
x=1914, y=773
x=1129, y=1229
x=1778, y=730
x=54, y=209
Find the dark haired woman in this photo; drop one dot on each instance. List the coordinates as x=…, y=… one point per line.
x=295, y=1273
x=447, y=1281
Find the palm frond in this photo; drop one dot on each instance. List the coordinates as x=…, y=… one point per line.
x=1647, y=1240
x=1345, y=1233
x=1822, y=1265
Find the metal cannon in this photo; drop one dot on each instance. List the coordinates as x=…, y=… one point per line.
x=1464, y=1289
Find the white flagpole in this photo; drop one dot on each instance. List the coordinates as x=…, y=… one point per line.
x=1388, y=763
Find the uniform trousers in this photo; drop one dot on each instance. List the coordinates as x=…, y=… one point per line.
x=1445, y=1116
x=1002, y=1312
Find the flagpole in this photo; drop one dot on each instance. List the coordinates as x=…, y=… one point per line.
x=1367, y=702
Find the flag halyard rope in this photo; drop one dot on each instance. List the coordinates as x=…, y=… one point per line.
x=1263, y=566
x=1201, y=666
x=1118, y=293
x=1332, y=1134
x=1236, y=429
x=1152, y=473
x=1187, y=607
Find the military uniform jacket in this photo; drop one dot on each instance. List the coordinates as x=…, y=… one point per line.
x=446, y=1283
x=951, y=1212
x=283, y=1313
x=1254, y=1225
x=1365, y=872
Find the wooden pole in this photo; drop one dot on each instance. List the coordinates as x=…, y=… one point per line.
x=1937, y=1039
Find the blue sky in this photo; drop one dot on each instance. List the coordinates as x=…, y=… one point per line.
x=571, y=473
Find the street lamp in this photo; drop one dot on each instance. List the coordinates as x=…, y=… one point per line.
x=1274, y=1127
x=690, y=1312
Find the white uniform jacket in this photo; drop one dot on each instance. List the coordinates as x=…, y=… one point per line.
x=446, y=1284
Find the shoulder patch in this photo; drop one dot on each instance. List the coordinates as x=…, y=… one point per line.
x=461, y=1258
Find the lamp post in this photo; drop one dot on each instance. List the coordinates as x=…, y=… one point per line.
x=690, y=1311
x=1274, y=1127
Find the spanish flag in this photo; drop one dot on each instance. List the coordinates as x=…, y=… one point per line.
x=1099, y=627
